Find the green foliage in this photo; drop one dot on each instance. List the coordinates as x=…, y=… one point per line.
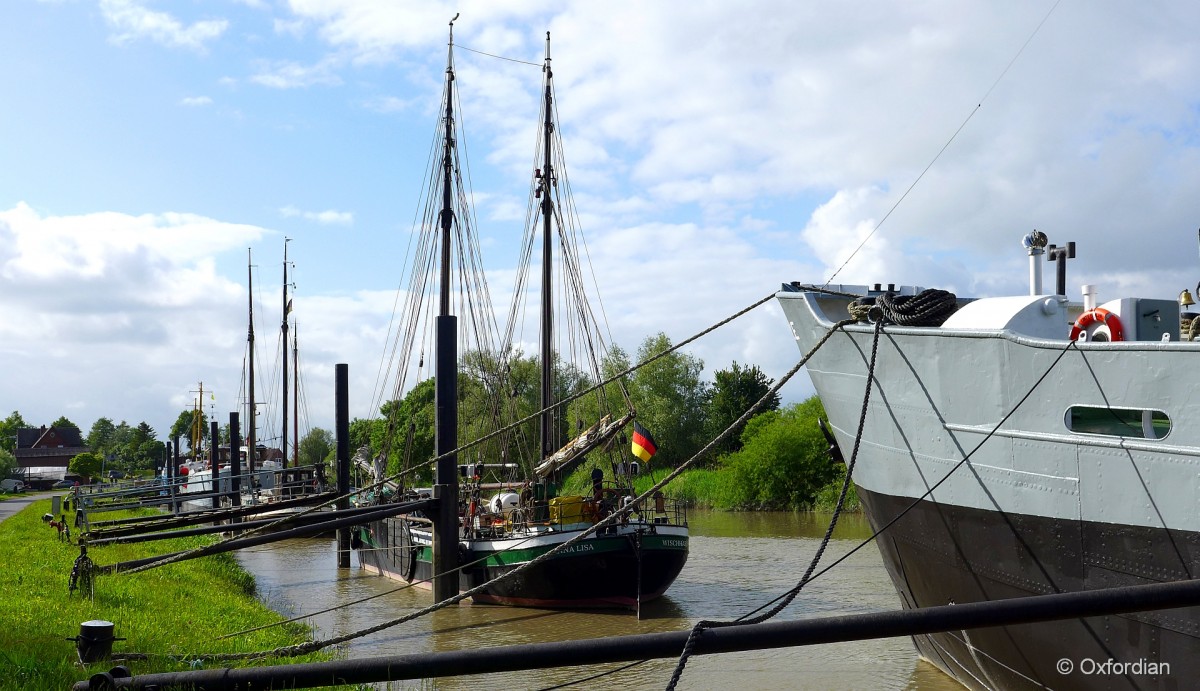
x=734, y=391
x=828, y=495
x=670, y=400
x=316, y=446
x=8, y=430
x=87, y=465
x=63, y=423
x=8, y=463
x=191, y=426
x=405, y=433
x=783, y=463
x=101, y=437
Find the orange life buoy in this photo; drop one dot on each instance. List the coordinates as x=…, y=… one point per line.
x=1102, y=316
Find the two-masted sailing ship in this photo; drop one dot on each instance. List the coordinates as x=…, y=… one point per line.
x=511, y=507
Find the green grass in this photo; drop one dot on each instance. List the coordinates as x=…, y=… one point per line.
x=714, y=488
x=171, y=613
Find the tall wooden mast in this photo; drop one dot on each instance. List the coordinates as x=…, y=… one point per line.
x=445, y=549
x=287, y=307
x=251, y=405
x=547, y=419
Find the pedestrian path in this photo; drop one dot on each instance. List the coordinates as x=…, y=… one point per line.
x=17, y=502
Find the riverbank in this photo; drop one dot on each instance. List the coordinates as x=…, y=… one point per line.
x=710, y=489
x=170, y=614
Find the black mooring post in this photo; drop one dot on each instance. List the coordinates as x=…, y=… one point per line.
x=235, y=463
x=445, y=489
x=214, y=462
x=341, y=395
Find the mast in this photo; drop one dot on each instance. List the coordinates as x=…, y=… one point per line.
x=445, y=548
x=197, y=431
x=287, y=307
x=251, y=426
x=296, y=397
x=547, y=417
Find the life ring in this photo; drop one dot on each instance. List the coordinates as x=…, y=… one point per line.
x=1101, y=316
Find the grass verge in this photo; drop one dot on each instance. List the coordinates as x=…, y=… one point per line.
x=171, y=614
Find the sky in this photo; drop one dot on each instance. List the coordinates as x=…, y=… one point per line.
x=151, y=150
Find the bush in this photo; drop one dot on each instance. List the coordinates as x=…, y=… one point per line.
x=783, y=463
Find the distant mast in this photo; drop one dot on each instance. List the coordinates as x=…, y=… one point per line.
x=251, y=413
x=287, y=307
x=547, y=180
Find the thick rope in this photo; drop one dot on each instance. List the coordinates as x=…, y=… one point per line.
x=469, y=445
x=703, y=624
x=312, y=646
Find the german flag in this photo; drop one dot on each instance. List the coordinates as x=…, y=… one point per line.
x=643, y=443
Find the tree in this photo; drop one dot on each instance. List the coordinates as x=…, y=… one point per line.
x=86, y=465
x=191, y=425
x=63, y=423
x=8, y=463
x=670, y=400
x=316, y=446
x=734, y=391
x=8, y=431
x=102, y=436
x=138, y=447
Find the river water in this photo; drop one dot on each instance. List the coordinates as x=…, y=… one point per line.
x=738, y=562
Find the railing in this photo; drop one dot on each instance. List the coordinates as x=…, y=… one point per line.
x=572, y=513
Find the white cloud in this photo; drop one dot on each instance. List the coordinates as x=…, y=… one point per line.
x=386, y=104
x=132, y=21
x=195, y=101
x=327, y=217
x=286, y=74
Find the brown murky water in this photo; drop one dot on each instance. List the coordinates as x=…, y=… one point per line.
x=737, y=563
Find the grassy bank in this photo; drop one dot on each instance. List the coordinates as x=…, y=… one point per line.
x=170, y=614
x=718, y=489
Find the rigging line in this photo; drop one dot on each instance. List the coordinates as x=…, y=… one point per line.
x=1137, y=471
x=611, y=519
x=615, y=377
x=564, y=401
x=945, y=146
x=499, y=57
x=594, y=677
x=353, y=603
x=937, y=484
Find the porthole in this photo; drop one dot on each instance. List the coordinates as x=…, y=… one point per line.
x=1137, y=423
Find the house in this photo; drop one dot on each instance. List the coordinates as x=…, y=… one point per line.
x=44, y=453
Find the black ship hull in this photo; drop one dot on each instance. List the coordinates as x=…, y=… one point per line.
x=940, y=554
x=630, y=565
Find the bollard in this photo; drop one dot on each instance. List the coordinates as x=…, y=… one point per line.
x=94, y=642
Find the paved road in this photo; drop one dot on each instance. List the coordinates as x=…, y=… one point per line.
x=18, y=502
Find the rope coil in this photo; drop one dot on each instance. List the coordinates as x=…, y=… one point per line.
x=930, y=307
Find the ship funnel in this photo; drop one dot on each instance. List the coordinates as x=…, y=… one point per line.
x=1089, y=298
x=1035, y=244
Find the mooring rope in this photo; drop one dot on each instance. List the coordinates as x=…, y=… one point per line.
x=377, y=485
x=929, y=492
x=703, y=624
x=313, y=646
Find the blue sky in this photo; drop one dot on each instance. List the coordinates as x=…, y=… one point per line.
x=715, y=149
